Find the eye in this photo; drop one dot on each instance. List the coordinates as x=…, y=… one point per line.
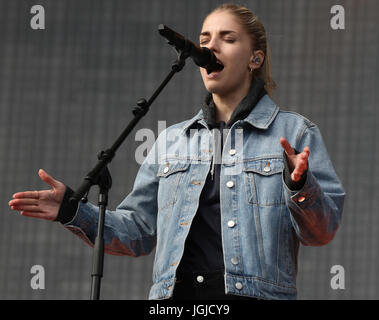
x=230, y=40
x=202, y=42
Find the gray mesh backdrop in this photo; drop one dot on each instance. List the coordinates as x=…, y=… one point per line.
x=67, y=91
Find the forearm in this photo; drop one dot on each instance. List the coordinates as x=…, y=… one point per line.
x=315, y=214
x=128, y=230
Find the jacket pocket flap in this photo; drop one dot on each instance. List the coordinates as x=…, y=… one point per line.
x=264, y=166
x=171, y=167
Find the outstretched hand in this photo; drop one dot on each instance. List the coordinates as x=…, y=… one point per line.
x=43, y=204
x=298, y=163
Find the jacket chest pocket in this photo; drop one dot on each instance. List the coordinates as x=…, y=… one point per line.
x=263, y=181
x=171, y=176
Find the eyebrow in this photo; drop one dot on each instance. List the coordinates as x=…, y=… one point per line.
x=222, y=33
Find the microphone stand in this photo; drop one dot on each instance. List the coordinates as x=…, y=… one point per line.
x=100, y=174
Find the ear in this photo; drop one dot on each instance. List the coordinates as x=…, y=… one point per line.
x=256, y=59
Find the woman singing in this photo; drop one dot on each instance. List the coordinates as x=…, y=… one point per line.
x=226, y=197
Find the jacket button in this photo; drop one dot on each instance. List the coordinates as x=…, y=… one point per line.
x=165, y=170
x=267, y=167
x=234, y=261
x=301, y=199
x=231, y=223
x=230, y=184
x=200, y=279
x=239, y=285
x=232, y=152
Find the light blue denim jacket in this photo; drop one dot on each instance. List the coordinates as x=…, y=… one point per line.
x=262, y=221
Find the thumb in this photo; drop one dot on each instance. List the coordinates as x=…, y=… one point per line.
x=286, y=146
x=47, y=178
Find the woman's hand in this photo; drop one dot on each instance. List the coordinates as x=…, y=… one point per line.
x=43, y=204
x=298, y=163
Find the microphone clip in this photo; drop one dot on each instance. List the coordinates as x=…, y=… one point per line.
x=182, y=55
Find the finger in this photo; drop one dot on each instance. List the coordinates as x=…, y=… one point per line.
x=306, y=151
x=40, y=215
x=297, y=174
x=25, y=201
x=304, y=156
x=26, y=208
x=286, y=146
x=295, y=177
x=48, y=178
x=26, y=194
x=299, y=170
x=303, y=161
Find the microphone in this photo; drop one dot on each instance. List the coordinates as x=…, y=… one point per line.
x=202, y=56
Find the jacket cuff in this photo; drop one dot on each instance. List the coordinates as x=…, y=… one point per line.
x=293, y=185
x=67, y=210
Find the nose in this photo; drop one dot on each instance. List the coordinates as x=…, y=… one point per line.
x=213, y=45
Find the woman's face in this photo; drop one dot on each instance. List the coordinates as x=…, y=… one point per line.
x=226, y=38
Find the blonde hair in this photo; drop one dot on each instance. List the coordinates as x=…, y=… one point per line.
x=259, y=41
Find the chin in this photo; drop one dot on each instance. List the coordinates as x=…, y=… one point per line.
x=214, y=88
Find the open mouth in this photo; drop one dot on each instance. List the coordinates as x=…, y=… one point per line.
x=216, y=68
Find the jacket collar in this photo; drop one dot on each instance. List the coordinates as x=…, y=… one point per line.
x=256, y=92
x=261, y=115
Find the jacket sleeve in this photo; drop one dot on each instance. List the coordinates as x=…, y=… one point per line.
x=131, y=228
x=316, y=208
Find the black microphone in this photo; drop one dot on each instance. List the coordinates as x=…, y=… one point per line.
x=202, y=56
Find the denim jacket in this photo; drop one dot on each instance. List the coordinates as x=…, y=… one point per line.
x=263, y=222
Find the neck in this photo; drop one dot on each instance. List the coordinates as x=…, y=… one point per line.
x=226, y=103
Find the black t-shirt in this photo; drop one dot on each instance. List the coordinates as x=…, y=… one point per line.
x=203, y=248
